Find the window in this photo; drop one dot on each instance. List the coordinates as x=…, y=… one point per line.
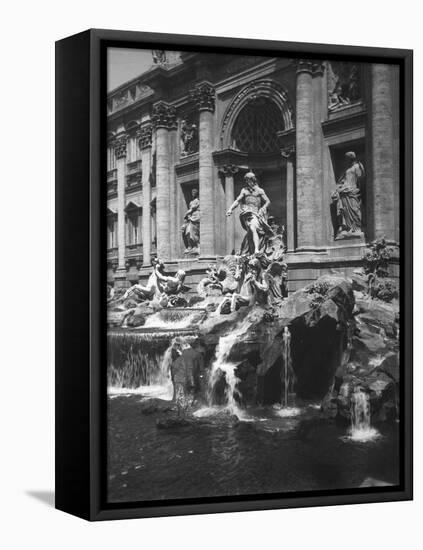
x=256, y=127
x=133, y=222
x=111, y=232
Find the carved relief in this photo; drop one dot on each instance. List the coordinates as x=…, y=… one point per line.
x=344, y=84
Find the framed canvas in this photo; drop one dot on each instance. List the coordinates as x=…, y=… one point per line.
x=247, y=205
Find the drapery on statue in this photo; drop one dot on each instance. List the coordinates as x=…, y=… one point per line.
x=253, y=203
x=189, y=138
x=346, y=200
x=191, y=226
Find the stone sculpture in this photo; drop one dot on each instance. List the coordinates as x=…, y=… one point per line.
x=253, y=203
x=346, y=200
x=191, y=226
x=189, y=138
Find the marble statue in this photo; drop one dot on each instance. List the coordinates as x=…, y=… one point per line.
x=189, y=138
x=191, y=226
x=152, y=289
x=172, y=289
x=254, y=288
x=253, y=203
x=346, y=200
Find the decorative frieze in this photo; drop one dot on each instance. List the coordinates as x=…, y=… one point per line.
x=204, y=96
x=164, y=115
x=145, y=136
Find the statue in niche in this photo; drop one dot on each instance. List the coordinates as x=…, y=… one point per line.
x=343, y=85
x=346, y=200
x=253, y=203
x=191, y=226
x=189, y=138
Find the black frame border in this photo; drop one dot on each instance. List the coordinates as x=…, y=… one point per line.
x=81, y=125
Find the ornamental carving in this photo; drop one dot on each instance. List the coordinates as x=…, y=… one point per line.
x=288, y=153
x=204, y=96
x=145, y=136
x=164, y=115
x=228, y=170
x=344, y=84
x=120, y=146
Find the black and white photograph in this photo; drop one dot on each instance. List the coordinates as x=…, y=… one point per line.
x=253, y=275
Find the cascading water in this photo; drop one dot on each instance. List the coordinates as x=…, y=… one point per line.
x=223, y=366
x=139, y=362
x=287, y=377
x=361, y=429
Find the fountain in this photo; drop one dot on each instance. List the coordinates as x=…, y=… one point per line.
x=223, y=366
x=361, y=429
x=287, y=378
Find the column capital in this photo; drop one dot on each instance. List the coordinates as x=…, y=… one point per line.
x=119, y=145
x=303, y=65
x=288, y=153
x=318, y=68
x=228, y=170
x=164, y=115
x=204, y=96
x=145, y=136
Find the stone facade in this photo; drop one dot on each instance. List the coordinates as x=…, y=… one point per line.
x=204, y=120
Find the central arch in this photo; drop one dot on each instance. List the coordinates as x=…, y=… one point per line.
x=267, y=91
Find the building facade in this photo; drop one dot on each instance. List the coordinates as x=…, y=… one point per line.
x=203, y=120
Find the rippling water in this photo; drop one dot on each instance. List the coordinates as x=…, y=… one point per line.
x=271, y=453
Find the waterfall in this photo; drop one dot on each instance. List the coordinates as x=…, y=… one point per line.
x=139, y=361
x=361, y=429
x=222, y=365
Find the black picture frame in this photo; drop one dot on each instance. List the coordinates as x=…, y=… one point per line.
x=80, y=280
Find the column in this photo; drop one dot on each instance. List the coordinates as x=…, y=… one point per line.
x=383, y=184
x=174, y=230
x=288, y=155
x=145, y=142
x=321, y=195
x=204, y=97
x=228, y=171
x=163, y=117
x=120, y=147
x=306, y=190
